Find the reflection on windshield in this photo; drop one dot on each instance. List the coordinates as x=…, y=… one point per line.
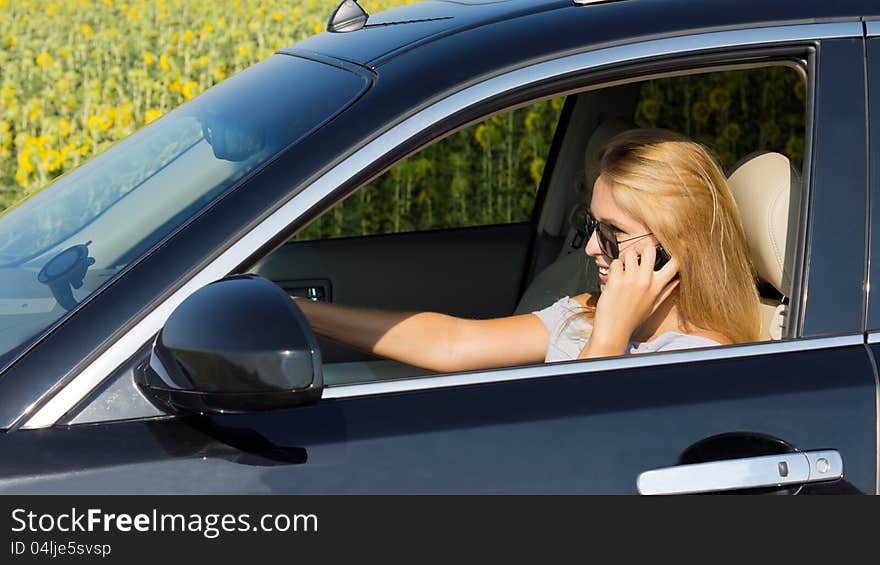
x=111, y=208
x=52, y=216
x=62, y=244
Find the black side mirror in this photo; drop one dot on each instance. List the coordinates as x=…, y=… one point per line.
x=236, y=345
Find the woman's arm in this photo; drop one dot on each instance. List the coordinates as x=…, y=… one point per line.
x=430, y=340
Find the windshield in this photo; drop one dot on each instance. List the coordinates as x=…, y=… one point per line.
x=62, y=244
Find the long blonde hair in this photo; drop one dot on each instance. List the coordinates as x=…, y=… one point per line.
x=676, y=189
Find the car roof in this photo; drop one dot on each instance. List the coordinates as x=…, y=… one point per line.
x=404, y=28
x=421, y=27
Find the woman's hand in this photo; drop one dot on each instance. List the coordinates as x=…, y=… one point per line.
x=633, y=292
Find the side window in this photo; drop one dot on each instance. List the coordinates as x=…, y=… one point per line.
x=485, y=174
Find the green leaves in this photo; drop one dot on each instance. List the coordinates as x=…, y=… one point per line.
x=486, y=174
x=489, y=173
x=731, y=112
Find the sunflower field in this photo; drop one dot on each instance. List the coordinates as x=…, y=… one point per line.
x=78, y=75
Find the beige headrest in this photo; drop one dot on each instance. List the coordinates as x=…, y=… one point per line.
x=761, y=186
x=607, y=128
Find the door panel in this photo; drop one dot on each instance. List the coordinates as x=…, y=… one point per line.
x=468, y=272
x=590, y=433
x=873, y=74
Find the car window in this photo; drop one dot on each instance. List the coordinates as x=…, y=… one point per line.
x=737, y=114
x=485, y=174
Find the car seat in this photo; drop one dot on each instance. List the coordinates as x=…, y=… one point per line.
x=763, y=184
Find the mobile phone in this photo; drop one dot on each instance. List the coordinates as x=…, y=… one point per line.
x=662, y=258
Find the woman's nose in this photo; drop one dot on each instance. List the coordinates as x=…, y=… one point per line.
x=592, y=248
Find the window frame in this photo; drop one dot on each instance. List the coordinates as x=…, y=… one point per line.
x=543, y=80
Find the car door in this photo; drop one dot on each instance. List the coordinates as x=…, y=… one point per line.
x=582, y=426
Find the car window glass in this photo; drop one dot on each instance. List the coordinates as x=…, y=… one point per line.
x=485, y=174
x=58, y=246
x=118, y=397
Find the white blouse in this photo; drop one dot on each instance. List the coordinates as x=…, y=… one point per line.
x=569, y=336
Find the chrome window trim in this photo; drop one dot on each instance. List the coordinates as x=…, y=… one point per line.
x=589, y=366
x=872, y=28
x=126, y=346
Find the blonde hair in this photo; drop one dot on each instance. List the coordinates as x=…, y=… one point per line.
x=676, y=189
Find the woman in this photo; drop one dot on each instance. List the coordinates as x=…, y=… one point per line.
x=657, y=193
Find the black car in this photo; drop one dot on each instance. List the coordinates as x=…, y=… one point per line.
x=433, y=157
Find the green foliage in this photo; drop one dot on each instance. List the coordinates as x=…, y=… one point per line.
x=486, y=174
x=489, y=173
x=733, y=112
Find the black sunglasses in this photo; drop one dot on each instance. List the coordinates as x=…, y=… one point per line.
x=608, y=242
x=610, y=245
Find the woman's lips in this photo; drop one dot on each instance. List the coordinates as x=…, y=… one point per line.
x=603, y=273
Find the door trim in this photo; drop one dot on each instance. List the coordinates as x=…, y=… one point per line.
x=580, y=367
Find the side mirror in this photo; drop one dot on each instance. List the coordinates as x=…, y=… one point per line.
x=236, y=345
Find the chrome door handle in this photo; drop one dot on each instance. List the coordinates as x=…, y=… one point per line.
x=750, y=472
